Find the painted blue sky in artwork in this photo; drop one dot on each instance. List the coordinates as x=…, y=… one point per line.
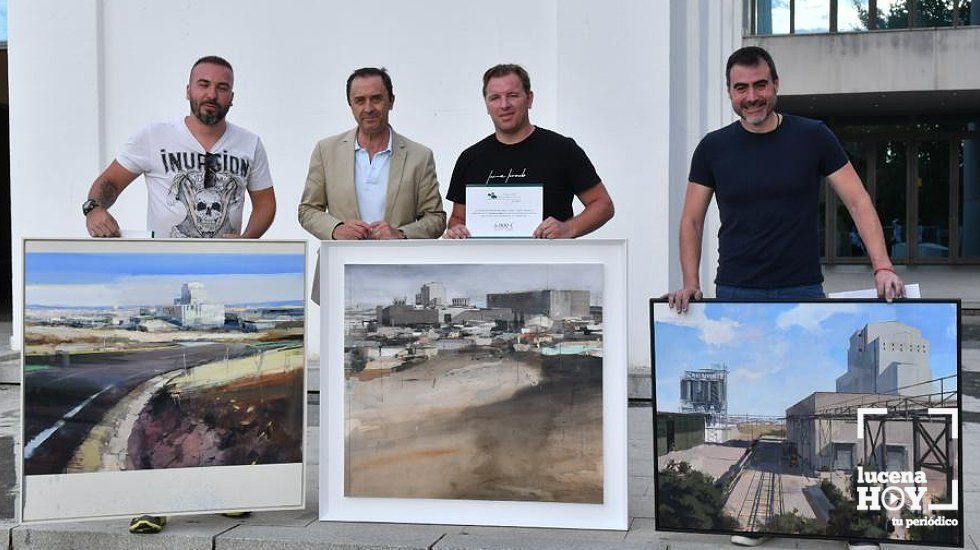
x=778, y=354
x=85, y=268
x=129, y=279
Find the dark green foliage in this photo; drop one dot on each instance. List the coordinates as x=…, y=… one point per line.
x=688, y=499
x=934, y=533
x=792, y=523
x=845, y=519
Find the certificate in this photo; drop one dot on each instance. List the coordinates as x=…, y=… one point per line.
x=504, y=210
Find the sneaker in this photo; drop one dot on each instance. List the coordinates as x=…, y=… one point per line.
x=749, y=540
x=237, y=514
x=147, y=524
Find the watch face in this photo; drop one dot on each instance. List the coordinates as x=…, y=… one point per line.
x=88, y=206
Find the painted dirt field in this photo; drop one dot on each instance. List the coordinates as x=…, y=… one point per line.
x=508, y=426
x=236, y=413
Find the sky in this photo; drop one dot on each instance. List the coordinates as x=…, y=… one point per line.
x=369, y=285
x=814, y=15
x=126, y=279
x=778, y=354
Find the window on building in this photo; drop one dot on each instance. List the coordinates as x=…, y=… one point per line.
x=923, y=176
x=766, y=17
x=3, y=22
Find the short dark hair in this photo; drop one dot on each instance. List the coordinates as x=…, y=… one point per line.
x=371, y=71
x=213, y=60
x=749, y=56
x=505, y=69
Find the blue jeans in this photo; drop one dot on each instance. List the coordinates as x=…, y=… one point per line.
x=725, y=292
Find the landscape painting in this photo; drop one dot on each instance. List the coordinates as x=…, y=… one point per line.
x=826, y=419
x=474, y=382
x=162, y=357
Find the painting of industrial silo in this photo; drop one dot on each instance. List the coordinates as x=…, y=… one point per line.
x=146, y=360
x=813, y=419
x=477, y=382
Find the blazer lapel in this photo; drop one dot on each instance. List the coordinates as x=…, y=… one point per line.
x=395, y=170
x=346, y=167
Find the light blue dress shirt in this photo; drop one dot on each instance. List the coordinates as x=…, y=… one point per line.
x=371, y=181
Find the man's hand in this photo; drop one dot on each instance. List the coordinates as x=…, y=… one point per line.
x=100, y=223
x=889, y=285
x=679, y=299
x=457, y=232
x=551, y=228
x=352, y=230
x=382, y=231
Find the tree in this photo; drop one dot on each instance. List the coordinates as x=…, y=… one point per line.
x=688, y=499
x=935, y=533
x=793, y=523
x=929, y=13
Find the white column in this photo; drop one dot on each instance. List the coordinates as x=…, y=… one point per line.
x=55, y=122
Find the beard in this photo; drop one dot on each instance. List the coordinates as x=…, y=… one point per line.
x=212, y=118
x=759, y=118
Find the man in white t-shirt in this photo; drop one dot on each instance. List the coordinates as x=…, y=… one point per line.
x=197, y=169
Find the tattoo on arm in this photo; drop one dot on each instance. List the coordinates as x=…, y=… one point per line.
x=107, y=194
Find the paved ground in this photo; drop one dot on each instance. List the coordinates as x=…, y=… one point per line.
x=301, y=530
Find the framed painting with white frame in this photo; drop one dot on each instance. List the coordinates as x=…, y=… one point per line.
x=474, y=382
x=162, y=377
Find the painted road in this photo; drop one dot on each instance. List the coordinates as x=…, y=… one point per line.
x=62, y=404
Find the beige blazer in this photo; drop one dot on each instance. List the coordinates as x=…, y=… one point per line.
x=412, y=203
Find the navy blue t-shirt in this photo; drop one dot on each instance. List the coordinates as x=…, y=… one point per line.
x=767, y=187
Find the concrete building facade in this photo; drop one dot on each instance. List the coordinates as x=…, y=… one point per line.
x=401, y=315
x=556, y=304
x=887, y=357
x=192, y=310
x=827, y=441
x=431, y=295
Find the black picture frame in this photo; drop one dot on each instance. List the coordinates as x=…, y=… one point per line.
x=958, y=467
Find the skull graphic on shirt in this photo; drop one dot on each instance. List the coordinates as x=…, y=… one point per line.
x=207, y=207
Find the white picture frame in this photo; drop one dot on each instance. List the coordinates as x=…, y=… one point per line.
x=122, y=491
x=610, y=513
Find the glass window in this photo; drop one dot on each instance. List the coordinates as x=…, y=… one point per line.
x=3, y=21
x=852, y=16
x=848, y=241
x=969, y=203
x=933, y=13
x=968, y=15
x=890, y=172
x=932, y=189
x=893, y=14
x=772, y=17
x=812, y=16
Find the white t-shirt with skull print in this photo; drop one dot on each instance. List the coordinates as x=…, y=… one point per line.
x=192, y=192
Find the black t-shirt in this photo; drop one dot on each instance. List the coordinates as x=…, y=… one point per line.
x=767, y=187
x=544, y=157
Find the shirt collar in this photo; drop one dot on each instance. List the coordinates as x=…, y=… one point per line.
x=391, y=134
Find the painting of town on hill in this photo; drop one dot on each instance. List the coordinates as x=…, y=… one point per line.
x=144, y=360
x=469, y=381
x=830, y=419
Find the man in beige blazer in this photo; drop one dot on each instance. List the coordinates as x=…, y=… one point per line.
x=370, y=182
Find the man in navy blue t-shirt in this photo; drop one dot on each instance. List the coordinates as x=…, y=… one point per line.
x=765, y=170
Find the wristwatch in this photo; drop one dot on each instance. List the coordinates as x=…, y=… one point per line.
x=89, y=206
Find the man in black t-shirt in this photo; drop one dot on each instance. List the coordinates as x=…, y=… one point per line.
x=518, y=152
x=765, y=170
